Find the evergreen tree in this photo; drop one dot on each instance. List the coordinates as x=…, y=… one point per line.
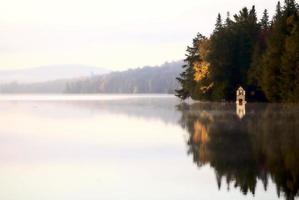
x=278, y=11
x=264, y=23
x=289, y=7
x=218, y=24
x=186, y=78
x=255, y=71
x=228, y=21
x=221, y=58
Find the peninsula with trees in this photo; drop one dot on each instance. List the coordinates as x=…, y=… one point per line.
x=262, y=56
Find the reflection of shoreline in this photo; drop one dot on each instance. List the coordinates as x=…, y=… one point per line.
x=151, y=107
x=263, y=145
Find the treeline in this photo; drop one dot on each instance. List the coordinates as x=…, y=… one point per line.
x=262, y=56
x=142, y=80
x=158, y=79
x=48, y=87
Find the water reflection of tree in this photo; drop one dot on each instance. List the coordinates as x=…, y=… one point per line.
x=265, y=143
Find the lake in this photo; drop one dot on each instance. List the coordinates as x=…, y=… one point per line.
x=132, y=147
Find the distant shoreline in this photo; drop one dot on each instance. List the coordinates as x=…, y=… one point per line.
x=78, y=97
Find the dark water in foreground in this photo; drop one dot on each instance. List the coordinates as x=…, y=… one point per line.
x=146, y=147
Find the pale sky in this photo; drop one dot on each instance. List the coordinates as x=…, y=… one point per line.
x=113, y=34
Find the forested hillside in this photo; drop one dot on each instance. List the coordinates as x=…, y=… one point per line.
x=142, y=80
x=158, y=79
x=260, y=55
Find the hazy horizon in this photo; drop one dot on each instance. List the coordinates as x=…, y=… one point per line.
x=114, y=35
x=79, y=65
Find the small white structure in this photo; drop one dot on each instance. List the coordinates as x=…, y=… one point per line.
x=240, y=102
x=240, y=96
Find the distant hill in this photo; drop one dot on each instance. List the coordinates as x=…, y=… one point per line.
x=142, y=80
x=49, y=73
x=158, y=79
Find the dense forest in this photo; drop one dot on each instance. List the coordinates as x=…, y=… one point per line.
x=262, y=56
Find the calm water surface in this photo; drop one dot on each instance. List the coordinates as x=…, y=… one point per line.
x=146, y=147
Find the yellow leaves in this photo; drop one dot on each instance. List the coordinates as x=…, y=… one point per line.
x=201, y=70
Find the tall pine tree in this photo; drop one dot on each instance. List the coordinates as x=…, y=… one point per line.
x=186, y=78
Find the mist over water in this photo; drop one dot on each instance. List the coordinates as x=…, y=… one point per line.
x=145, y=147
